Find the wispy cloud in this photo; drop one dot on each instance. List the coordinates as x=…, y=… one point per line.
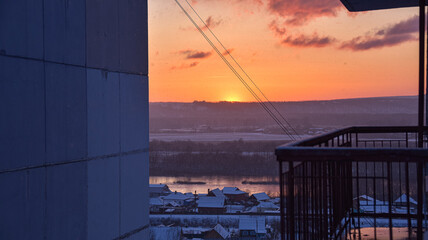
x=305, y=41
x=298, y=12
x=396, y=34
x=228, y=51
x=300, y=40
x=193, y=54
x=211, y=22
x=185, y=65
x=276, y=29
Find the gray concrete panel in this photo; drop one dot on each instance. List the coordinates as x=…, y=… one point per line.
x=134, y=195
x=134, y=112
x=64, y=34
x=103, y=112
x=67, y=201
x=133, y=36
x=66, y=117
x=102, y=34
x=21, y=28
x=22, y=122
x=103, y=198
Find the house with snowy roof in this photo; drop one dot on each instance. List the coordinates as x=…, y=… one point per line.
x=216, y=193
x=252, y=227
x=156, y=205
x=264, y=207
x=402, y=201
x=157, y=190
x=234, y=194
x=211, y=205
x=217, y=233
x=179, y=198
x=260, y=197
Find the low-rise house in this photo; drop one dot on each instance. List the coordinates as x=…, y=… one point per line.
x=264, y=207
x=217, y=233
x=365, y=200
x=234, y=194
x=260, y=197
x=235, y=208
x=252, y=228
x=157, y=190
x=216, y=193
x=192, y=232
x=402, y=201
x=179, y=198
x=211, y=205
x=401, y=204
x=156, y=205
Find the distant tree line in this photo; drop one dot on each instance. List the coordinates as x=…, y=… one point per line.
x=240, y=158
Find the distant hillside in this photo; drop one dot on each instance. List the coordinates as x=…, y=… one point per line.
x=248, y=117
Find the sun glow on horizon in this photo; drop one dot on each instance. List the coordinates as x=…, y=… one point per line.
x=231, y=98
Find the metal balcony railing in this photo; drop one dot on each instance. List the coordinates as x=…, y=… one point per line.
x=354, y=183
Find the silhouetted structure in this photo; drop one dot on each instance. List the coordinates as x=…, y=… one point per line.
x=74, y=121
x=327, y=182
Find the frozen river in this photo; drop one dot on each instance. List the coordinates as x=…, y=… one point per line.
x=258, y=184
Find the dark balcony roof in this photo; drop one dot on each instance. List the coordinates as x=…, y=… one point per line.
x=366, y=5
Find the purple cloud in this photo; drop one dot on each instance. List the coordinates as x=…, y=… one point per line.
x=396, y=34
x=298, y=12
x=308, y=41
x=192, y=54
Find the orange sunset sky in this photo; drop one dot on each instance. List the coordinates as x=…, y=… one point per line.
x=293, y=49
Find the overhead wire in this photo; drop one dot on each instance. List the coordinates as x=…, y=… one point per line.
x=269, y=111
x=240, y=67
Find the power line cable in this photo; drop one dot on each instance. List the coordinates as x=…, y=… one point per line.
x=237, y=74
x=240, y=67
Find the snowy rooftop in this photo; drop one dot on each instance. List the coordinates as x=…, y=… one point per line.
x=261, y=196
x=220, y=230
x=403, y=199
x=218, y=193
x=158, y=188
x=232, y=190
x=257, y=223
x=369, y=201
x=210, y=202
x=156, y=201
x=178, y=196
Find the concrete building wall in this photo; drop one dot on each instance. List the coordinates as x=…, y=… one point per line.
x=74, y=119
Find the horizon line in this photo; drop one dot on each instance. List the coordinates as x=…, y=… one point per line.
x=285, y=101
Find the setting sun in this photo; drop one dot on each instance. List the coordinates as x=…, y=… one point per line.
x=232, y=99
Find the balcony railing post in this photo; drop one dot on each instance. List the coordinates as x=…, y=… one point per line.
x=318, y=189
x=420, y=180
x=282, y=197
x=290, y=201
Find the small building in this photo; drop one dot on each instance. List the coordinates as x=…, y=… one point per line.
x=216, y=193
x=402, y=201
x=252, y=227
x=235, y=208
x=264, y=207
x=260, y=197
x=156, y=205
x=192, y=232
x=234, y=194
x=157, y=190
x=179, y=198
x=211, y=205
x=217, y=233
x=365, y=200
